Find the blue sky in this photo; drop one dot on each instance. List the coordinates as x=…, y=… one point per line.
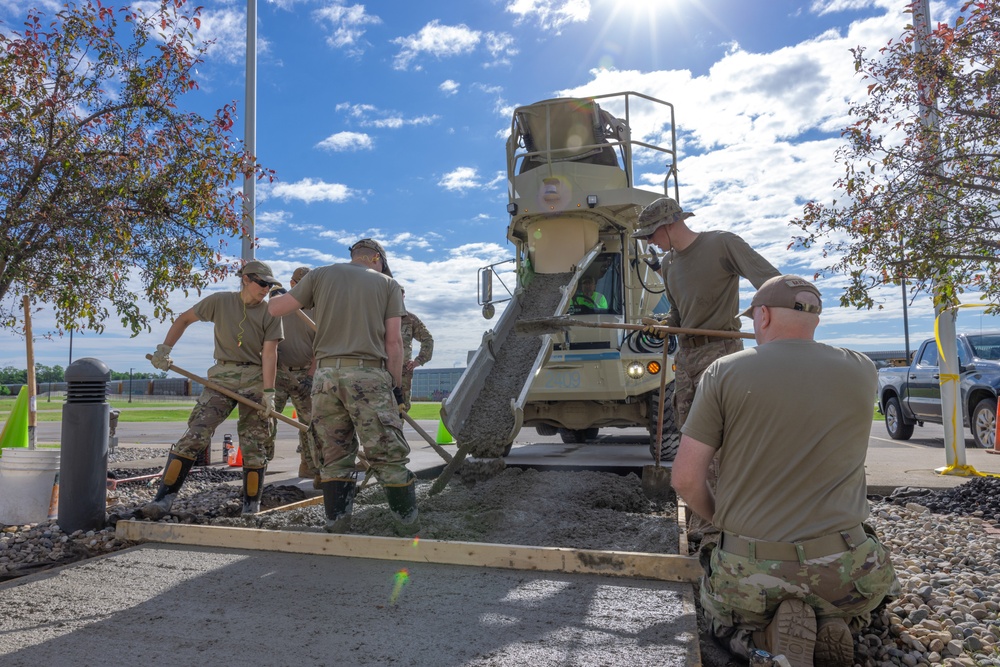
x=388, y=120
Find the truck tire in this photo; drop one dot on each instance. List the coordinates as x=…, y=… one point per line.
x=578, y=435
x=546, y=430
x=671, y=436
x=894, y=424
x=984, y=423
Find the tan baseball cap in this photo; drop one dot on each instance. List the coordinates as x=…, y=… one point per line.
x=781, y=292
x=377, y=247
x=259, y=269
x=298, y=273
x=663, y=211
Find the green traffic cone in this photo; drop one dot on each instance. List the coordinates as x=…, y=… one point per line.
x=15, y=431
x=443, y=437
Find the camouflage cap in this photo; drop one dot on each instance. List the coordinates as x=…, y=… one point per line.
x=372, y=244
x=782, y=292
x=299, y=273
x=259, y=269
x=663, y=211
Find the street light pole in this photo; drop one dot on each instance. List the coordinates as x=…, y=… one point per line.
x=130, y=385
x=250, y=133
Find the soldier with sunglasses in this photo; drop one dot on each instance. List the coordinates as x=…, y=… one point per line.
x=246, y=353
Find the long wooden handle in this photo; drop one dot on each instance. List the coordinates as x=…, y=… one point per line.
x=550, y=324
x=426, y=436
x=650, y=322
x=236, y=397
x=663, y=397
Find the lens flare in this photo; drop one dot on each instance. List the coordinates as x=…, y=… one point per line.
x=399, y=580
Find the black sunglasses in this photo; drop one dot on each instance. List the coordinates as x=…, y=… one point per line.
x=262, y=283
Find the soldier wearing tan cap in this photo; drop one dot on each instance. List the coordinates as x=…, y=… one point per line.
x=357, y=386
x=795, y=568
x=246, y=351
x=701, y=274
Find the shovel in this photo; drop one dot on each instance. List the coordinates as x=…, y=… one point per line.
x=236, y=397
x=656, y=478
x=547, y=325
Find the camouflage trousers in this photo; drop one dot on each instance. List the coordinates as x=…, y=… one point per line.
x=740, y=595
x=214, y=408
x=358, y=401
x=297, y=387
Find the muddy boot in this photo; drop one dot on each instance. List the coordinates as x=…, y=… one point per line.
x=253, y=489
x=338, y=501
x=403, y=506
x=174, y=474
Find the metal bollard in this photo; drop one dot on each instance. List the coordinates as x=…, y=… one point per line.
x=83, y=468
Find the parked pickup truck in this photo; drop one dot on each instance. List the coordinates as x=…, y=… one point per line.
x=911, y=395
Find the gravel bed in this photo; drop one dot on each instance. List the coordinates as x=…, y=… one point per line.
x=127, y=454
x=944, y=544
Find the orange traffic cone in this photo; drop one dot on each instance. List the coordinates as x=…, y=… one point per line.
x=295, y=415
x=236, y=457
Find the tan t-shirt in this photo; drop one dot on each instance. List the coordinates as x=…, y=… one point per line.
x=702, y=281
x=351, y=304
x=791, y=420
x=240, y=330
x=296, y=350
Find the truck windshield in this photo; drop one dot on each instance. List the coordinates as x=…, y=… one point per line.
x=985, y=346
x=599, y=291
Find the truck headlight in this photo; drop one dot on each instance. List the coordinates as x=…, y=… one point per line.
x=635, y=370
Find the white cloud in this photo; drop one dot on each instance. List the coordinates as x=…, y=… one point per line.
x=449, y=87
x=437, y=40
x=348, y=24
x=501, y=47
x=550, y=14
x=347, y=141
x=461, y=179
x=309, y=191
x=368, y=115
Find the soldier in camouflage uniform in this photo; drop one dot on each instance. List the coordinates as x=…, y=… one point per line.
x=296, y=366
x=796, y=567
x=701, y=274
x=357, y=386
x=412, y=328
x=246, y=352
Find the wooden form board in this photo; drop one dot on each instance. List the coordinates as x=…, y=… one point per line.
x=660, y=567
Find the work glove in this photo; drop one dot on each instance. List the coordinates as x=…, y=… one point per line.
x=655, y=333
x=161, y=358
x=306, y=384
x=277, y=290
x=397, y=393
x=267, y=403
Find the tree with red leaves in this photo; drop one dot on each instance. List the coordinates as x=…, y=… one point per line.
x=921, y=199
x=111, y=197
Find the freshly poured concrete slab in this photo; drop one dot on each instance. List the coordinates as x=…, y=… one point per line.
x=180, y=605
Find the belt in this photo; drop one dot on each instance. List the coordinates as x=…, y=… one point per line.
x=296, y=369
x=697, y=341
x=236, y=363
x=350, y=362
x=818, y=547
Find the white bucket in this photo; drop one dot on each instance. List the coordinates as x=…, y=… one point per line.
x=26, y=480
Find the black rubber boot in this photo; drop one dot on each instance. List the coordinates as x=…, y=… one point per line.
x=403, y=506
x=174, y=474
x=253, y=489
x=338, y=501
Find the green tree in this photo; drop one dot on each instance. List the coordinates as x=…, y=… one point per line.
x=920, y=202
x=11, y=375
x=111, y=197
